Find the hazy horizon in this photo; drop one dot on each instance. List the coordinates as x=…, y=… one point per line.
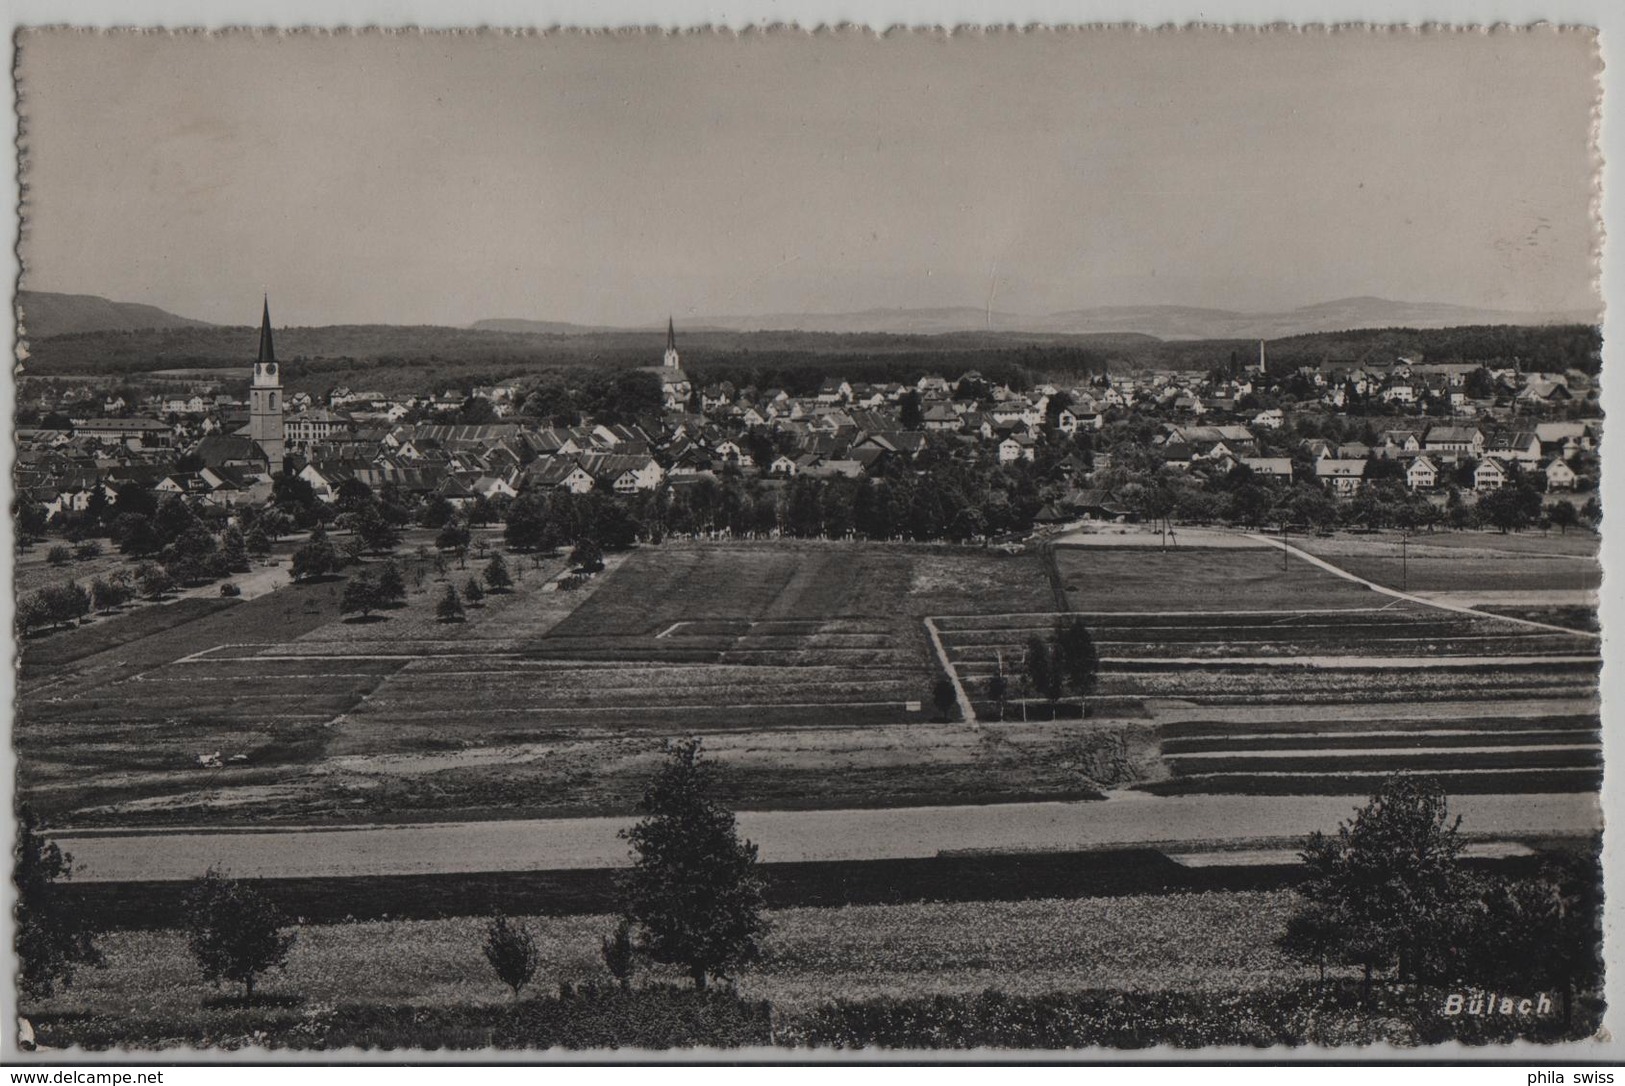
x=612, y=179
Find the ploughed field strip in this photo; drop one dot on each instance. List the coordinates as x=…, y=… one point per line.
x=1450, y=680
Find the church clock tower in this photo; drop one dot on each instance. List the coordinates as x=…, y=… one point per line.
x=265, y=398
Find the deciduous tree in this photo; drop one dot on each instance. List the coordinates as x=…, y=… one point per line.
x=511, y=950
x=693, y=889
x=52, y=939
x=233, y=931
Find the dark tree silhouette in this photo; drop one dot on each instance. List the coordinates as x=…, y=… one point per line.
x=52, y=939
x=234, y=931
x=693, y=889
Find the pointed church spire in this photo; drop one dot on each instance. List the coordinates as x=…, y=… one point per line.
x=671, y=335
x=267, y=352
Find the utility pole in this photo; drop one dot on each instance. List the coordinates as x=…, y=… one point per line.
x=1404, y=561
x=1284, y=553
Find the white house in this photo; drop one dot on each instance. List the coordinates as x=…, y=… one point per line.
x=1489, y=475
x=1015, y=447
x=1422, y=474
x=1559, y=476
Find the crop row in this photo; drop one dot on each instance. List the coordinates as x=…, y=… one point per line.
x=1482, y=723
x=1455, y=782
x=1366, y=739
x=1371, y=762
x=652, y=719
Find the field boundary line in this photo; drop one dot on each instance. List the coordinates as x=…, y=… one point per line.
x=965, y=706
x=705, y=707
x=1386, y=591
x=1166, y=614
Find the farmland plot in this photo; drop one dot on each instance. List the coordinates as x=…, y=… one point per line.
x=798, y=661
x=1321, y=650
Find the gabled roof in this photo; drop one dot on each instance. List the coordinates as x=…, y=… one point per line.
x=1329, y=468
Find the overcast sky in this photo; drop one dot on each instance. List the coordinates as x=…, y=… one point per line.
x=615, y=178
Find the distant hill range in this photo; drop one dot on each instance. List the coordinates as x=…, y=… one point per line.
x=1161, y=321
x=48, y=314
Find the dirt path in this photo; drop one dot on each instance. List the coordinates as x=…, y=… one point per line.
x=1443, y=605
x=783, y=836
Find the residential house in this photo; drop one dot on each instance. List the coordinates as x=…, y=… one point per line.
x=559, y=474
x=1489, y=475
x=1275, y=468
x=1015, y=447
x=1521, y=447
x=1454, y=441
x=1559, y=476
x=1343, y=477
x=1422, y=473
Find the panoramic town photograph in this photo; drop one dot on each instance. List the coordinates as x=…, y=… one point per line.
x=807, y=544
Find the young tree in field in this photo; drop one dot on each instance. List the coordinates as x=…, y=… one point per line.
x=372, y=528
x=943, y=696
x=527, y=526
x=52, y=940
x=693, y=889
x=511, y=950
x=497, y=578
x=234, y=931
x=473, y=593
x=1310, y=937
x=1563, y=516
x=360, y=595
x=454, y=537
x=234, y=549
x=65, y=603
x=256, y=541
x=317, y=558
x=450, y=607
x=32, y=613
x=1391, y=879
x=154, y=580
x=1074, y=657
x=587, y=556
x=1040, y=670
x=998, y=689
x=391, y=584
x=620, y=956
x=109, y=593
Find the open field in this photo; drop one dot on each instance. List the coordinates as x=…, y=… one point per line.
x=798, y=659
x=799, y=662
x=1470, y=562
x=1182, y=578
x=1210, y=941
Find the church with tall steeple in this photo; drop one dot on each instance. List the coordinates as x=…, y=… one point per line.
x=674, y=383
x=265, y=397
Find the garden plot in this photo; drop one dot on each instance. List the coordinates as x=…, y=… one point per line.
x=1405, y=656
x=1470, y=746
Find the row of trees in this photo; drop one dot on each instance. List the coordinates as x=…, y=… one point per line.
x=692, y=899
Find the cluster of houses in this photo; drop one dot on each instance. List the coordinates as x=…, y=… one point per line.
x=1548, y=451
x=198, y=445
